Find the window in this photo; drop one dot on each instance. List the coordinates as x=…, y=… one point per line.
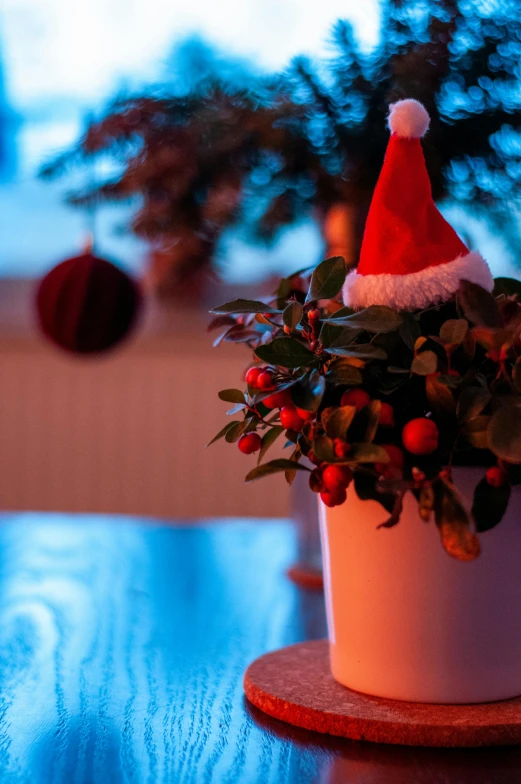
x=60, y=60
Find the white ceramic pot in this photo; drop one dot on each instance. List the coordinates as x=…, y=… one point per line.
x=409, y=622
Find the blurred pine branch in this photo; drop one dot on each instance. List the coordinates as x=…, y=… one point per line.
x=220, y=154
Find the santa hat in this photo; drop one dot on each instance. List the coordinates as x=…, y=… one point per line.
x=411, y=257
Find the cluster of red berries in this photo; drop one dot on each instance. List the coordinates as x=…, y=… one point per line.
x=291, y=417
x=260, y=378
x=419, y=436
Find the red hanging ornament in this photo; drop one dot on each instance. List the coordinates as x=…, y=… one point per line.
x=87, y=305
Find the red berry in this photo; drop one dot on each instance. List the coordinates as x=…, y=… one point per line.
x=313, y=458
x=386, y=415
x=265, y=380
x=252, y=376
x=355, y=397
x=335, y=477
x=249, y=443
x=313, y=315
x=303, y=414
x=290, y=419
x=341, y=448
x=420, y=436
x=395, y=455
x=496, y=476
x=334, y=499
x=278, y=399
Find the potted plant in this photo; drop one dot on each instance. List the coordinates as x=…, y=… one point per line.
x=406, y=403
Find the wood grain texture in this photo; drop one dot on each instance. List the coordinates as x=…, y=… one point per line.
x=122, y=650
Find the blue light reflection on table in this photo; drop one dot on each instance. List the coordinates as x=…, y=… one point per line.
x=123, y=644
x=122, y=649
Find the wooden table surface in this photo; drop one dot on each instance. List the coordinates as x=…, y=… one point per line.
x=123, y=645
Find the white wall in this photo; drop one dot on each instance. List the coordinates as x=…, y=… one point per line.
x=126, y=433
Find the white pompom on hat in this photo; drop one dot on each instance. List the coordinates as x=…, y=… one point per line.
x=411, y=257
x=408, y=119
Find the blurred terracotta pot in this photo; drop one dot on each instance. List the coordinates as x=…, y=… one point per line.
x=408, y=622
x=342, y=229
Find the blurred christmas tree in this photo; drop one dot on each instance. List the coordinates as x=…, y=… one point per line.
x=311, y=141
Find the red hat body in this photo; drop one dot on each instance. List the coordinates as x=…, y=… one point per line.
x=405, y=232
x=411, y=257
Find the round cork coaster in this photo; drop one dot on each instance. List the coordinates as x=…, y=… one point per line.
x=295, y=685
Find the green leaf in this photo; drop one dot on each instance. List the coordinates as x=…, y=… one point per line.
x=396, y=512
x=308, y=392
x=283, y=292
x=439, y=395
x=454, y=331
x=504, y=433
x=366, y=490
x=221, y=321
x=342, y=373
x=362, y=351
x=285, y=286
x=337, y=420
x=478, y=305
x=239, y=334
x=232, y=395
x=341, y=313
x=426, y=502
x=327, y=279
x=324, y=449
x=409, y=331
x=471, y=402
x=291, y=473
x=244, y=306
x=237, y=429
x=475, y=431
x=490, y=504
x=372, y=413
x=377, y=319
x=292, y=315
x=424, y=363
x=346, y=338
x=222, y=432
x=275, y=467
x=334, y=336
x=368, y=453
x=329, y=332
x=450, y=381
x=453, y=523
x=507, y=286
x=269, y=437
x=286, y=352
x=258, y=397
x=235, y=409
